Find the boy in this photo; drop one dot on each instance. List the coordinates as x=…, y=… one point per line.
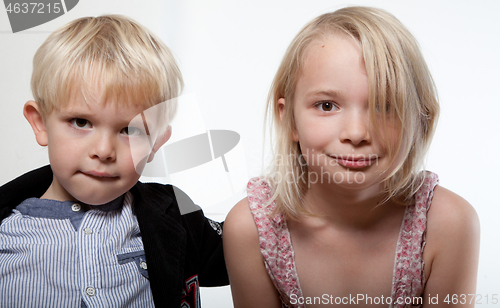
x=84, y=232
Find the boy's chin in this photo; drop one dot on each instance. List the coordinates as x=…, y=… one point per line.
x=98, y=201
x=98, y=197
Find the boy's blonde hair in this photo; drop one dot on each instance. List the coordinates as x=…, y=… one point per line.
x=111, y=55
x=399, y=82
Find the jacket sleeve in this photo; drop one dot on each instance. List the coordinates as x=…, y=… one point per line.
x=205, y=241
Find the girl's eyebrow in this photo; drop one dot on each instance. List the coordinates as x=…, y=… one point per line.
x=329, y=93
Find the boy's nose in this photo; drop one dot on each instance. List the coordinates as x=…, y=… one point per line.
x=355, y=129
x=103, y=148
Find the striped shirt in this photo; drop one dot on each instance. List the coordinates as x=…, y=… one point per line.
x=66, y=254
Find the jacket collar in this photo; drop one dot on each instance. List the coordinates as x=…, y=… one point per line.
x=29, y=185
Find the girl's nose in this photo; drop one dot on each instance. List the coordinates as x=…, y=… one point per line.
x=355, y=129
x=103, y=148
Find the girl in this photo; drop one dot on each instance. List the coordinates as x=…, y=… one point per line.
x=344, y=216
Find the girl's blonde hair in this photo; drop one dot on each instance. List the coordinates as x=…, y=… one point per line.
x=113, y=54
x=399, y=82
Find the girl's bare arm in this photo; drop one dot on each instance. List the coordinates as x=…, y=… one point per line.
x=251, y=286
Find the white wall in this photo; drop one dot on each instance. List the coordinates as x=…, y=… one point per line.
x=229, y=51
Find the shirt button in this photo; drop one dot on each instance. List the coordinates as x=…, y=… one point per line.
x=143, y=265
x=87, y=231
x=76, y=207
x=90, y=291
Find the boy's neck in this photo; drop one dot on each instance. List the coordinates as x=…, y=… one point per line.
x=57, y=192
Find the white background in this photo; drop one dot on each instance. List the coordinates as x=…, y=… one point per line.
x=229, y=51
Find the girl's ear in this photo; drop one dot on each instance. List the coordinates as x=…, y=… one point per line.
x=281, y=107
x=159, y=142
x=32, y=113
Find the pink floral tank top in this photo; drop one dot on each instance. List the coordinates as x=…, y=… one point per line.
x=276, y=247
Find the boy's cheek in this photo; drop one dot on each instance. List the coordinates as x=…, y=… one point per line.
x=139, y=152
x=140, y=165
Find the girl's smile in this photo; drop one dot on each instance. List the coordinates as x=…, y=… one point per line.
x=351, y=161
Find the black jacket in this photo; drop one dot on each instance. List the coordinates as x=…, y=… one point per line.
x=183, y=251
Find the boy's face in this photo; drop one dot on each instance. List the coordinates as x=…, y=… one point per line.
x=92, y=149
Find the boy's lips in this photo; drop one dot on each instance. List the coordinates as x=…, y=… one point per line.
x=97, y=174
x=355, y=161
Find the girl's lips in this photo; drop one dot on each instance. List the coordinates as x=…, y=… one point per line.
x=355, y=162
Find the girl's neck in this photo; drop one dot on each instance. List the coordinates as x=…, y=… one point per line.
x=347, y=208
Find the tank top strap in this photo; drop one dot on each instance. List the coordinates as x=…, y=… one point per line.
x=274, y=240
x=408, y=277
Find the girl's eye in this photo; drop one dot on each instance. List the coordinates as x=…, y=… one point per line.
x=132, y=131
x=379, y=108
x=80, y=123
x=326, y=106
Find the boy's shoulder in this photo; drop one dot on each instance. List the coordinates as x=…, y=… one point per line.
x=153, y=200
x=28, y=185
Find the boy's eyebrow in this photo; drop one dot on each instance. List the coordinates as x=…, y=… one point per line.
x=74, y=113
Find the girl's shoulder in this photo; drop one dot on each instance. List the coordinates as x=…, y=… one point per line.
x=242, y=214
x=452, y=244
x=450, y=212
x=259, y=187
x=259, y=196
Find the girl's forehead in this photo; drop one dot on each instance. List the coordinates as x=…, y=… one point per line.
x=331, y=56
x=338, y=43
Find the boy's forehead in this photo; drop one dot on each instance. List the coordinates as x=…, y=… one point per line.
x=94, y=98
x=98, y=87
x=84, y=106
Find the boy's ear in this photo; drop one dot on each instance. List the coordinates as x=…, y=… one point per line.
x=281, y=107
x=160, y=141
x=32, y=113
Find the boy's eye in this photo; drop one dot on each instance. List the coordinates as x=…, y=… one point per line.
x=80, y=123
x=132, y=131
x=326, y=106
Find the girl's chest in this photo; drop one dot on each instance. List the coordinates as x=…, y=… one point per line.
x=346, y=269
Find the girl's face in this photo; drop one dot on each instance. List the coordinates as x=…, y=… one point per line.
x=332, y=116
